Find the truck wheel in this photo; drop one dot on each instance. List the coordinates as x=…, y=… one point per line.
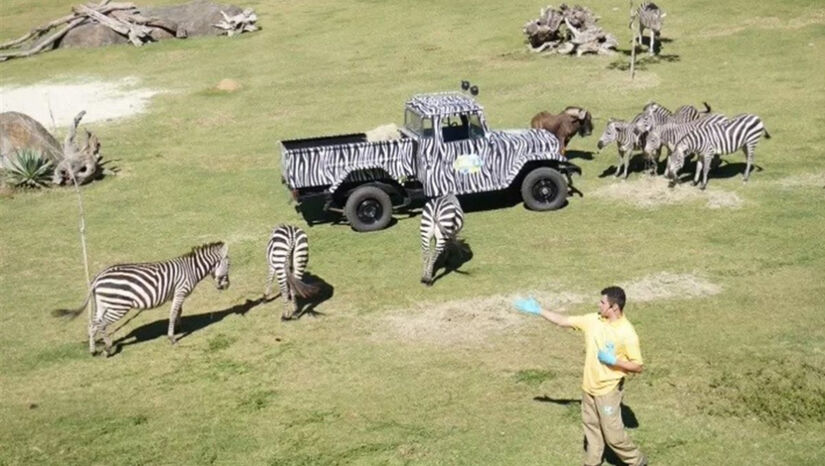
x=544, y=189
x=368, y=208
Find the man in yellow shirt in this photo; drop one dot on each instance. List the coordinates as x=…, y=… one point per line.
x=612, y=351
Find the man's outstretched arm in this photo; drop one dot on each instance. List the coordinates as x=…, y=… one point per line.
x=531, y=306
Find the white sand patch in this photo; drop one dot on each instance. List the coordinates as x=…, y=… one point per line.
x=666, y=285
x=56, y=104
x=651, y=192
x=467, y=322
x=816, y=180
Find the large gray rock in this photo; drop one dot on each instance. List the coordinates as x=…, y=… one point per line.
x=91, y=35
x=197, y=17
x=19, y=131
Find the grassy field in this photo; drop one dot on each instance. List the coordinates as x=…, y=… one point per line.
x=728, y=304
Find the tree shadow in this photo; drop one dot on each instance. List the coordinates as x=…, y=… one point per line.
x=642, y=62
x=455, y=255
x=189, y=324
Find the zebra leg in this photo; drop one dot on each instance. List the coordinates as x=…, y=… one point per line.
x=705, y=171
x=174, y=315
x=107, y=341
x=439, y=248
x=268, y=287
x=619, y=164
x=652, y=44
x=626, y=158
x=92, y=333
x=748, y=161
x=699, y=163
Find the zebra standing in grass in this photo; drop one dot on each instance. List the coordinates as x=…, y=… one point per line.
x=288, y=254
x=442, y=219
x=627, y=139
x=669, y=134
x=742, y=132
x=655, y=115
x=122, y=287
x=650, y=17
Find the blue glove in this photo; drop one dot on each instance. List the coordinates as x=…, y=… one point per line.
x=528, y=305
x=607, y=355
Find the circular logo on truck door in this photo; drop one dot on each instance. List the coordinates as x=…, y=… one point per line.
x=466, y=164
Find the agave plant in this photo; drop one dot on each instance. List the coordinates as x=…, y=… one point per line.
x=27, y=168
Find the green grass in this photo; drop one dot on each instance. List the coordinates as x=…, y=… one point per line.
x=734, y=378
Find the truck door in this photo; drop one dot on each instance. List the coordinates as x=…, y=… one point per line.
x=465, y=154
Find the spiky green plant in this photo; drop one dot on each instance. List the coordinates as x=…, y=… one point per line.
x=27, y=169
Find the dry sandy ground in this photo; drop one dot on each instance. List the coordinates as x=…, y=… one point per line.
x=56, y=104
x=476, y=321
x=651, y=192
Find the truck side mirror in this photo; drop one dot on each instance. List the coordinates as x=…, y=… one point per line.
x=465, y=85
x=474, y=90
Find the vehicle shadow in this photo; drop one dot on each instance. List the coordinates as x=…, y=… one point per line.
x=189, y=324
x=579, y=154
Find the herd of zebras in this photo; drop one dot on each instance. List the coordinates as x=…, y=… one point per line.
x=120, y=288
x=685, y=132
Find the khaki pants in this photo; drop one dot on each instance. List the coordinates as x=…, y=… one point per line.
x=602, y=420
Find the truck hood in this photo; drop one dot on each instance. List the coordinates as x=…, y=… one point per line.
x=529, y=141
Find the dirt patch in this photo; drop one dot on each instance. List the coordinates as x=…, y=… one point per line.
x=56, y=104
x=467, y=322
x=649, y=192
x=667, y=285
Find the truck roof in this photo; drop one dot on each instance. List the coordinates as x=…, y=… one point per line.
x=443, y=103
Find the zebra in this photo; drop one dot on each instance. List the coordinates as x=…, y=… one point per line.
x=442, y=219
x=627, y=139
x=669, y=134
x=655, y=114
x=287, y=254
x=650, y=17
x=121, y=287
x=742, y=132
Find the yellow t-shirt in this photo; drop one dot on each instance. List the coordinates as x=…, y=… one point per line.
x=600, y=379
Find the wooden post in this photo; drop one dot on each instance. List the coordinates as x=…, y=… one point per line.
x=632, y=45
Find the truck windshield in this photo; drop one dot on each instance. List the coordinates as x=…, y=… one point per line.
x=418, y=124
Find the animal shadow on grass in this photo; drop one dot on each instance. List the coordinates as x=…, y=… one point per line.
x=719, y=169
x=579, y=154
x=324, y=292
x=188, y=324
x=628, y=419
x=455, y=255
x=637, y=164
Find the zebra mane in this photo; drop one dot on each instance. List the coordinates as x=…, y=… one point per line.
x=203, y=247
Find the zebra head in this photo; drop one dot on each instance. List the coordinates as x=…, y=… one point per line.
x=610, y=134
x=221, y=270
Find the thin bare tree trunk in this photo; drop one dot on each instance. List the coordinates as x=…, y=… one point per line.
x=67, y=142
x=632, y=45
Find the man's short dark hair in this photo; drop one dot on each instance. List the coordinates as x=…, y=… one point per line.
x=615, y=295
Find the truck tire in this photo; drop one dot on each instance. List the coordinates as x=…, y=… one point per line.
x=368, y=208
x=544, y=189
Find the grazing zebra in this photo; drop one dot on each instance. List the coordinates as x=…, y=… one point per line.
x=669, y=134
x=122, y=287
x=742, y=132
x=443, y=219
x=627, y=139
x=650, y=17
x=288, y=254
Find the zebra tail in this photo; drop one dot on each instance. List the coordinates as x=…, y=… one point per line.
x=767, y=135
x=302, y=289
x=72, y=313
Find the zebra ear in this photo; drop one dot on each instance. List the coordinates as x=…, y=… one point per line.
x=224, y=250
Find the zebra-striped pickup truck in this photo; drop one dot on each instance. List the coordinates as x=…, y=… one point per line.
x=444, y=147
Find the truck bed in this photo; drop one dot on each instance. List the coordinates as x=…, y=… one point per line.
x=296, y=144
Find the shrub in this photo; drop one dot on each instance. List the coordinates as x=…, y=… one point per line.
x=27, y=169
